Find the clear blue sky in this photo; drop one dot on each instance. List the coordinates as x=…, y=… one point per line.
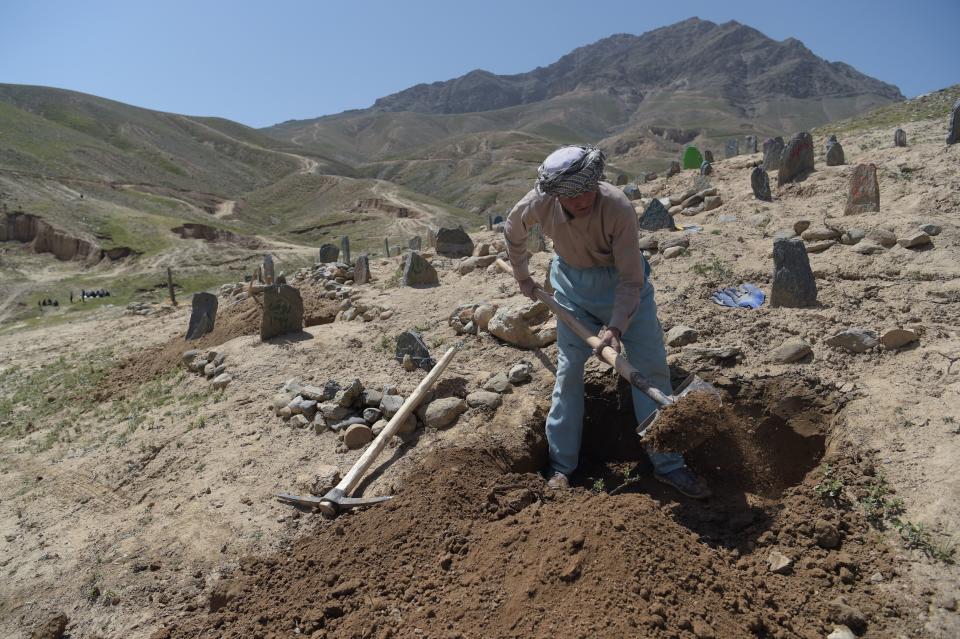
x=264, y=62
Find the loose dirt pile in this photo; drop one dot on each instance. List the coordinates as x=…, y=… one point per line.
x=694, y=419
x=470, y=549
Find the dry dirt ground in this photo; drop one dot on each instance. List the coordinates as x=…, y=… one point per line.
x=140, y=505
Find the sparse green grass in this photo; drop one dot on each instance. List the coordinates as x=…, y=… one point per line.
x=714, y=269
x=917, y=536
x=878, y=504
x=830, y=487
x=933, y=105
x=599, y=485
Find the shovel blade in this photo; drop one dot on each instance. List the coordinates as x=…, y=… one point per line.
x=693, y=384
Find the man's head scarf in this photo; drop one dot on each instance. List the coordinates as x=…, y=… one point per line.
x=571, y=170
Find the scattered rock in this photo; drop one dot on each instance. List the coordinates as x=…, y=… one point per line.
x=371, y=398
x=188, y=357
x=841, y=632
x=914, y=240
x=681, y=336
x=418, y=272
x=412, y=344
x=372, y=415
x=712, y=202
x=523, y=325
x=863, y=195
x=443, y=412
x=361, y=269
x=792, y=350
x=673, y=251
x=326, y=478
x=632, y=191
x=820, y=247
x=760, y=183
x=674, y=168
x=825, y=534
x=800, y=226
x=334, y=412
x=499, y=383
x=220, y=382
x=520, y=373
x=344, y=424
x=670, y=242
x=357, y=436
x=851, y=237
x=52, y=628
x=453, y=243
x=931, y=229
x=898, y=338
x=299, y=421
x=855, y=340
x=482, y=316
x=656, y=218
x=793, y=283
x=820, y=233
x=483, y=399
x=843, y=613
x=882, y=237
x=390, y=404
x=779, y=563
x=408, y=364
x=796, y=159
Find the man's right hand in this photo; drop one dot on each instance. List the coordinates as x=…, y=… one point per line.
x=527, y=287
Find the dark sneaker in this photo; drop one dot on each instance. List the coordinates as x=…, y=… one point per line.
x=685, y=481
x=558, y=481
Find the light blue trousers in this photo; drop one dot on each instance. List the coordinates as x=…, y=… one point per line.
x=588, y=294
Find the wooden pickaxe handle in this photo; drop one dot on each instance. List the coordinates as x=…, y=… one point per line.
x=608, y=354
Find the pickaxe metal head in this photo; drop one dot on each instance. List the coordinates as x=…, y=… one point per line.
x=332, y=503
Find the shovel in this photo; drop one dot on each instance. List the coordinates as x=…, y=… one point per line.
x=338, y=498
x=692, y=384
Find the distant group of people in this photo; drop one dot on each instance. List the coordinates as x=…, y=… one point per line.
x=86, y=295
x=47, y=302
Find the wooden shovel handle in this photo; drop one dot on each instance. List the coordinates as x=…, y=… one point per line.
x=352, y=478
x=610, y=356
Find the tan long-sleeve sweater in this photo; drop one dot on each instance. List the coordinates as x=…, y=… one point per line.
x=607, y=236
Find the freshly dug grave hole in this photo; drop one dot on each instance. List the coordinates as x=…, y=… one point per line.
x=471, y=548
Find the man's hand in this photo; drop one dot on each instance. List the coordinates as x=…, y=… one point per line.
x=527, y=287
x=609, y=337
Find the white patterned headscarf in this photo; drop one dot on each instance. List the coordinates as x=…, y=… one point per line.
x=571, y=170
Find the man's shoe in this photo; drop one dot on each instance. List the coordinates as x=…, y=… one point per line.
x=685, y=481
x=558, y=481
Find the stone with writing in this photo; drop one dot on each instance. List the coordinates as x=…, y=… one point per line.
x=282, y=311
x=772, y=151
x=361, y=269
x=203, y=315
x=793, y=283
x=328, y=253
x=863, y=195
x=760, y=183
x=453, y=243
x=796, y=161
x=656, y=218
x=418, y=272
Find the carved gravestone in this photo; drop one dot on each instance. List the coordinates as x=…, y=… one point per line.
x=415, y=243
x=793, y=283
x=345, y=249
x=674, y=169
x=656, y=218
x=454, y=243
x=834, y=152
x=750, y=144
x=797, y=158
x=899, y=138
x=621, y=180
x=411, y=343
x=760, y=183
x=203, y=315
x=328, y=253
x=864, y=193
x=535, y=240
x=706, y=168
x=418, y=272
x=732, y=148
x=708, y=156
x=772, y=151
x=282, y=311
x=691, y=158
x=953, y=133
x=361, y=269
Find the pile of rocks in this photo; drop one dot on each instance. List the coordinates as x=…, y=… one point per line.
x=335, y=278
x=694, y=201
x=484, y=255
x=236, y=291
x=353, y=309
x=669, y=246
x=146, y=308
x=865, y=241
x=211, y=365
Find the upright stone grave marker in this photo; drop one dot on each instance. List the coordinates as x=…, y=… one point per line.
x=203, y=315
x=674, y=168
x=953, y=133
x=415, y=243
x=454, y=243
x=706, y=168
x=418, y=272
x=328, y=253
x=834, y=152
x=900, y=137
x=793, y=283
x=732, y=148
x=656, y=218
x=760, y=183
x=282, y=311
x=692, y=158
x=386, y=246
x=864, y=193
x=750, y=144
x=411, y=343
x=622, y=179
x=797, y=158
x=361, y=269
x=772, y=152
x=268, y=275
x=708, y=156
x=345, y=249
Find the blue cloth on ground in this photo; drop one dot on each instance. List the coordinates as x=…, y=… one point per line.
x=744, y=296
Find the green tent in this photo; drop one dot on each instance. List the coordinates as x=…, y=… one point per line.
x=692, y=158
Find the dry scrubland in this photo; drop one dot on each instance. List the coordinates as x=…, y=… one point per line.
x=138, y=501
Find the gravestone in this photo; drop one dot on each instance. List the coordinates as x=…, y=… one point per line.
x=621, y=180
x=454, y=243
x=708, y=156
x=415, y=243
x=649, y=177
x=656, y=218
x=772, y=151
x=345, y=249
x=535, y=240
x=361, y=270
x=732, y=148
x=674, y=169
x=282, y=311
x=864, y=193
x=203, y=315
x=498, y=219
x=632, y=191
x=793, y=283
x=899, y=138
x=691, y=158
x=267, y=269
x=418, y=272
x=760, y=183
x=328, y=253
x=386, y=247
x=834, y=152
x=953, y=132
x=706, y=168
x=750, y=144
x=411, y=343
x=797, y=158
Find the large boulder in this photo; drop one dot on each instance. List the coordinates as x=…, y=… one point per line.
x=797, y=158
x=282, y=311
x=656, y=217
x=453, y=243
x=525, y=325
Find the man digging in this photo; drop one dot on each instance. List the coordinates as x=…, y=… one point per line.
x=601, y=277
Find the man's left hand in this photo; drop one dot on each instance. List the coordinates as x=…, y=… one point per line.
x=609, y=337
